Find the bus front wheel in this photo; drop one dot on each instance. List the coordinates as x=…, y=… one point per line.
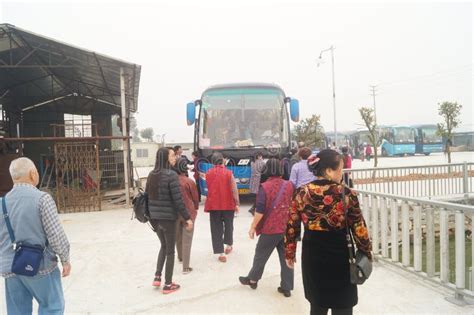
x=384, y=152
x=427, y=153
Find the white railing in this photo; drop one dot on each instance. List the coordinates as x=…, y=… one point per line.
x=416, y=181
x=423, y=236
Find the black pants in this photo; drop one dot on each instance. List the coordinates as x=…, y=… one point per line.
x=254, y=205
x=222, y=229
x=265, y=246
x=317, y=310
x=199, y=189
x=166, y=231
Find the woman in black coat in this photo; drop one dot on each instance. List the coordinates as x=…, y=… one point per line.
x=165, y=202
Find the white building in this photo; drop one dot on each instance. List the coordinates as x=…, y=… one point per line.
x=144, y=153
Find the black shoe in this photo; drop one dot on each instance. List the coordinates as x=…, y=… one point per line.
x=286, y=293
x=246, y=281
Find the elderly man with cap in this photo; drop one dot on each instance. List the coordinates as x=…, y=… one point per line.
x=30, y=217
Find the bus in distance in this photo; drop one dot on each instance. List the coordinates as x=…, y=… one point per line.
x=241, y=120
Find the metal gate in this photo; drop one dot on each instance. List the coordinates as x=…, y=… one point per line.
x=77, y=176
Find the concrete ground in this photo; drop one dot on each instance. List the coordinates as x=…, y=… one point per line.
x=114, y=258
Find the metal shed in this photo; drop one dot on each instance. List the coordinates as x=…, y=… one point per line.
x=58, y=101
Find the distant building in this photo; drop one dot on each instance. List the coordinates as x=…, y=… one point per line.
x=144, y=153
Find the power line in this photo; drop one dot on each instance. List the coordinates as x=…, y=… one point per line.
x=438, y=73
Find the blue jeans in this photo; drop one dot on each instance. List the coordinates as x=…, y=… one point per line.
x=46, y=290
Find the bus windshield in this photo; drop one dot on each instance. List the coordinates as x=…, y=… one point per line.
x=233, y=118
x=430, y=135
x=404, y=135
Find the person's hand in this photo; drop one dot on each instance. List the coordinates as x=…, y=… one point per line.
x=252, y=232
x=66, y=269
x=189, y=225
x=290, y=263
x=237, y=209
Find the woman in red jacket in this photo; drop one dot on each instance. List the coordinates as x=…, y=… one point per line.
x=221, y=203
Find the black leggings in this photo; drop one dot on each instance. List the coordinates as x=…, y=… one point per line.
x=166, y=231
x=318, y=310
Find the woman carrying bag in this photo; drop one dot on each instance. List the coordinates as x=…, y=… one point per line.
x=325, y=255
x=271, y=217
x=165, y=202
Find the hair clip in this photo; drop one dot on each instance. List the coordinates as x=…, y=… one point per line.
x=313, y=160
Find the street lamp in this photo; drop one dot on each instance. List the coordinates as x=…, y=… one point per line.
x=320, y=60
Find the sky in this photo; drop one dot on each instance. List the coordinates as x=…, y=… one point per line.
x=417, y=53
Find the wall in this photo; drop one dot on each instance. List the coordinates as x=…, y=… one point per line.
x=152, y=147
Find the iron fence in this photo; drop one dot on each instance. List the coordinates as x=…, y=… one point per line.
x=430, y=238
x=416, y=181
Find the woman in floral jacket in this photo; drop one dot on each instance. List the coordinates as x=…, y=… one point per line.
x=325, y=257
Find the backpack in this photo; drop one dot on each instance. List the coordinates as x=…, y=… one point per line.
x=140, y=207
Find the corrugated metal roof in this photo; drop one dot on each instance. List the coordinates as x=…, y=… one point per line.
x=38, y=71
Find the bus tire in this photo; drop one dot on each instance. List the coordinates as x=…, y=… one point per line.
x=427, y=153
x=384, y=152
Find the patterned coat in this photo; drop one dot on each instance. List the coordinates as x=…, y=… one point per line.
x=319, y=207
x=257, y=168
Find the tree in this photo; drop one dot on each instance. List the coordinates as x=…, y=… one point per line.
x=148, y=134
x=136, y=135
x=450, y=113
x=310, y=132
x=367, y=115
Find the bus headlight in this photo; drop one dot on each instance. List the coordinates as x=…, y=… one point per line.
x=242, y=181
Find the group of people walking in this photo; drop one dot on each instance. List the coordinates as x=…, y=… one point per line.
x=173, y=201
x=309, y=192
x=313, y=197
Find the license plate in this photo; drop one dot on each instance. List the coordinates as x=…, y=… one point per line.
x=244, y=191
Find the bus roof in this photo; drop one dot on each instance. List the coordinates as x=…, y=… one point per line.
x=249, y=85
x=425, y=126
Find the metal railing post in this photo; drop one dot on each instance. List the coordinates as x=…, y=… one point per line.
x=384, y=226
x=444, y=245
x=417, y=257
x=465, y=182
x=460, y=249
x=405, y=235
x=430, y=243
x=375, y=225
x=394, y=228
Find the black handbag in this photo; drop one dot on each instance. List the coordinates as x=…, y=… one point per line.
x=360, y=266
x=27, y=259
x=140, y=207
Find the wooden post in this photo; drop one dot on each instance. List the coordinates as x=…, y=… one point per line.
x=126, y=170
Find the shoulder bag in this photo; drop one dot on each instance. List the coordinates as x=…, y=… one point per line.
x=27, y=259
x=360, y=266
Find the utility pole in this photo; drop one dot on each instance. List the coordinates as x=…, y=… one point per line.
x=333, y=86
x=373, y=90
x=376, y=136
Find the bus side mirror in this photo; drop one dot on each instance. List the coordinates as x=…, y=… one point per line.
x=295, y=110
x=190, y=113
